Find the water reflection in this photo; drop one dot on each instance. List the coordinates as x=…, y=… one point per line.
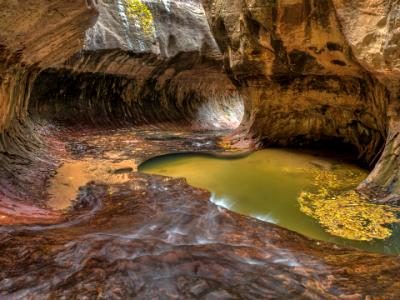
x=267, y=185
x=64, y=186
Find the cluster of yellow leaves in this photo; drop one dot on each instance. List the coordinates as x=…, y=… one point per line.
x=228, y=145
x=345, y=213
x=139, y=11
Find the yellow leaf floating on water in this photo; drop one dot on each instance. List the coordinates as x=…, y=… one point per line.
x=345, y=213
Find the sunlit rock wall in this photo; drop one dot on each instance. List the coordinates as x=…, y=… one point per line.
x=318, y=69
x=163, y=57
x=372, y=29
x=58, y=54
x=179, y=26
x=42, y=34
x=298, y=73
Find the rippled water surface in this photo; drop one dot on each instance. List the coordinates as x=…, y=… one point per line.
x=265, y=185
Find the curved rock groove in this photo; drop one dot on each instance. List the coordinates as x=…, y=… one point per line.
x=71, y=90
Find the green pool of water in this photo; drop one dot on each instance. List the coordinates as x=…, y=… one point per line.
x=267, y=185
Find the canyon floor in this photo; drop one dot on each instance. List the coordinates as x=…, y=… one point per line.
x=91, y=89
x=149, y=236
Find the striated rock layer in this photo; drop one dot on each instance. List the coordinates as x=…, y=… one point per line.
x=33, y=36
x=372, y=29
x=314, y=70
x=306, y=74
x=46, y=73
x=158, y=237
x=116, y=87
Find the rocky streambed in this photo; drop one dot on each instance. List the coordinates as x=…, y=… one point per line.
x=148, y=236
x=89, y=90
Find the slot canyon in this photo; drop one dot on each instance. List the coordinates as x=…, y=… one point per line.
x=199, y=149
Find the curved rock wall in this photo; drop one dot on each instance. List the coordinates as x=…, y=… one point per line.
x=47, y=34
x=301, y=80
x=318, y=69
x=170, y=73
x=306, y=68
x=372, y=29
x=34, y=35
x=114, y=87
x=44, y=67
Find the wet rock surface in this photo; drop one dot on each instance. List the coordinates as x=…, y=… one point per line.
x=303, y=79
x=154, y=236
x=45, y=51
x=318, y=70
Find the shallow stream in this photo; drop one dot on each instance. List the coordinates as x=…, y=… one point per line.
x=299, y=191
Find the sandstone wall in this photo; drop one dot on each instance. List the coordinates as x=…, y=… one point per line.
x=62, y=55
x=309, y=70
x=34, y=35
x=113, y=87
x=372, y=29
x=179, y=26
x=301, y=80
x=313, y=70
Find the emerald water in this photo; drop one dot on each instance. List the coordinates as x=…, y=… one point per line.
x=267, y=185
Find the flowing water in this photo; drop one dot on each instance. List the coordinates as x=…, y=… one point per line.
x=123, y=234
x=267, y=185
